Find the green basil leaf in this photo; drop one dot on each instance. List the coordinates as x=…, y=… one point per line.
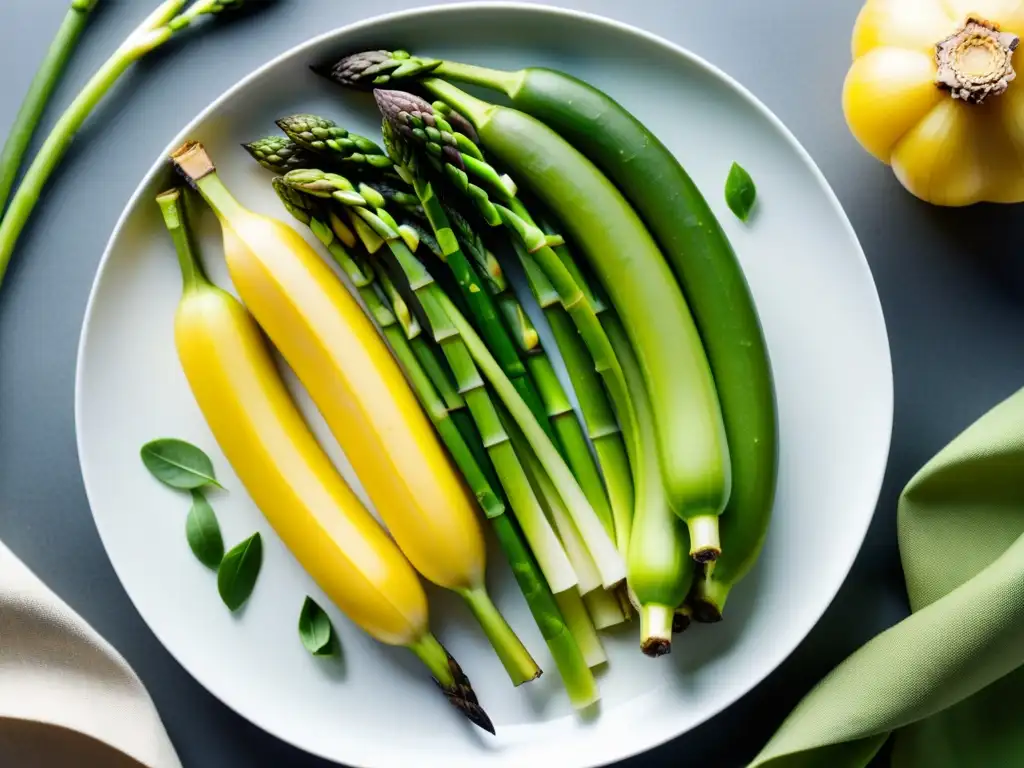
x=315, y=629
x=237, y=573
x=178, y=464
x=203, y=531
x=740, y=192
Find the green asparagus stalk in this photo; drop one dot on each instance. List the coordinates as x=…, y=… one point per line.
x=324, y=137
x=440, y=376
x=587, y=574
x=39, y=93
x=580, y=458
x=602, y=426
x=169, y=18
x=571, y=601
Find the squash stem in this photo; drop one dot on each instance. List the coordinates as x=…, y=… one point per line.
x=172, y=207
x=495, y=79
x=708, y=599
x=473, y=109
x=705, y=546
x=656, y=629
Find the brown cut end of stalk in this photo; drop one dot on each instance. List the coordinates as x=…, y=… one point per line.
x=192, y=161
x=682, y=619
x=976, y=61
x=706, y=555
x=462, y=696
x=655, y=647
x=705, y=612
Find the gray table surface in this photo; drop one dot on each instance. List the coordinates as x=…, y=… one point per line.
x=951, y=284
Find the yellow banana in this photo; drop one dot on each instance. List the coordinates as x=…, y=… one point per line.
x=338, y=355
x=289, y=477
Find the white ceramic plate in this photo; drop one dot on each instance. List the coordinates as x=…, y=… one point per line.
x=376, y=707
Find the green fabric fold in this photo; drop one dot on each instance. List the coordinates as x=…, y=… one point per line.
x=947, y=683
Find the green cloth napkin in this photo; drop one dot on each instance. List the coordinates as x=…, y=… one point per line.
x=947, y=683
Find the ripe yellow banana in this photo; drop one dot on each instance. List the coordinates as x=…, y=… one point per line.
x=288, y=475
x=338, y=355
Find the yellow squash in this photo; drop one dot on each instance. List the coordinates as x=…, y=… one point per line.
x=338, y=355
x=932, y=91
x=290, y=478
x=283, y=468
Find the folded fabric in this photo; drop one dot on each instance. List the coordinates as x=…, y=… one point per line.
x=64, y=691
x=947, y=683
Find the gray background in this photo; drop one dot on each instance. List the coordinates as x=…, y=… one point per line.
x=950, y=283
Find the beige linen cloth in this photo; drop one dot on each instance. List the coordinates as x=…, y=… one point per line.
x=67, y=698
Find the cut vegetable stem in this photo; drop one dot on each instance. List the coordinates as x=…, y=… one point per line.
x=604, y=608
x=39, y=93
x=163, y=23
x=578, y=621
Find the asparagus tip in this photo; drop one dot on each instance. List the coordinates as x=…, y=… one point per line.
x=462, y=696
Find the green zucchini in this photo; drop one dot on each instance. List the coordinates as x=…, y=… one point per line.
x=658, y=570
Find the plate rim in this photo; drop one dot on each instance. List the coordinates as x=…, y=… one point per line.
x=630, y=749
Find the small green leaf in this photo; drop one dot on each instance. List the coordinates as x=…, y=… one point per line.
x=315, y=629
x=237, y=573
x=203, y=532
x=178, y=464
x=740, y=192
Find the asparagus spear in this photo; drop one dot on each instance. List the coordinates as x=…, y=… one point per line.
x=279, y=154
x=39, y=93
x=163, y=23
x=369, y=69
